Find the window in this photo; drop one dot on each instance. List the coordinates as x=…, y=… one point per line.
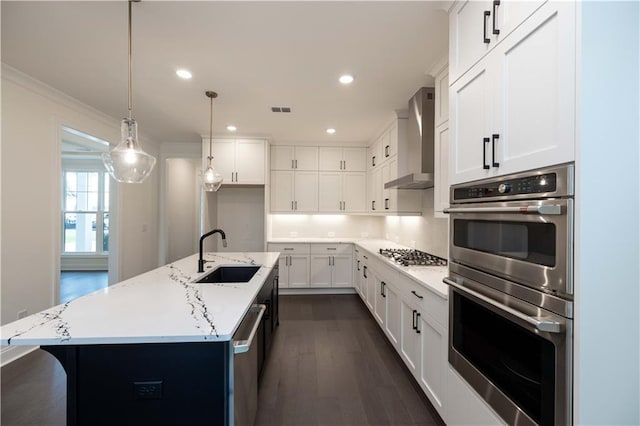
x=85, y=214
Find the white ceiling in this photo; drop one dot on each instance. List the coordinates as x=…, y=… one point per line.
x=254, y=54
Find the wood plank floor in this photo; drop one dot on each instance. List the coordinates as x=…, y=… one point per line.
x=74, y=284
x=330, y=365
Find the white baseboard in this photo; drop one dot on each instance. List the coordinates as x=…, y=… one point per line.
x=11, y=353
x=297, y=291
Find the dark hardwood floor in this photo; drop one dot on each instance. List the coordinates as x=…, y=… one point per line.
x=330, y=365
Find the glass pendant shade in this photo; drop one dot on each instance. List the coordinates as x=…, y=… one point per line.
x=211, y=179
x=127, y=162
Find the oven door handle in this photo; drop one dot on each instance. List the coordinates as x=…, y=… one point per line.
x=539, y=323
x=551, y=209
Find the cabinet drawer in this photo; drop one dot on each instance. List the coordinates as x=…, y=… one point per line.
x=340, y=248
x=427, y=301
x=289, y=248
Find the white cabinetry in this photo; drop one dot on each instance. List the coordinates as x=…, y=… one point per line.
x=285, y=157
x=477, y=26
x=460, y=394
x=293, y=265
x=441, y=143
x=514, y=110
x=334, y=159
x=331, y=265
x=342, y=192
x=293, y=191
x=239, y=161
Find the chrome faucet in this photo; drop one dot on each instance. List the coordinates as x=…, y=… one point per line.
x=224, y=244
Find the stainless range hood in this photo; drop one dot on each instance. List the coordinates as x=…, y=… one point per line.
x=420, y=144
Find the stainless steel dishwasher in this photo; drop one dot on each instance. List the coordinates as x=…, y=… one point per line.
x=245, y=366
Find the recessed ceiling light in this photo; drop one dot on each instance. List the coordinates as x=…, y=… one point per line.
x=231, y=128
x=346, y=79
x=184, y=74
x=331, y=131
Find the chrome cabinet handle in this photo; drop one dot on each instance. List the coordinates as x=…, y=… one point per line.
x=242, y=346
x=551, y=210
x=539, y=323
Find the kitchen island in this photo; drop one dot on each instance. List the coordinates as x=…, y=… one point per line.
x=154, y=349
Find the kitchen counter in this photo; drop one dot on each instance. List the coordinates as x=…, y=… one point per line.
x=160, y=306
x=429, y=277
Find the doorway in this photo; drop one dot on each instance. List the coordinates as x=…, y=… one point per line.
x=85, y=200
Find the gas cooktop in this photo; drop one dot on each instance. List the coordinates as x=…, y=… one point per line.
x=410, y=257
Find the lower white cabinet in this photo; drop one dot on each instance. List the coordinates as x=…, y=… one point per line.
x=433, y=362
x=409, y=337
x=460, y=395
x=379, y=299
x=293, y=264
x=331, y=265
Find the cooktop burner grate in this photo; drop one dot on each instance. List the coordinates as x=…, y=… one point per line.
x=410, y=257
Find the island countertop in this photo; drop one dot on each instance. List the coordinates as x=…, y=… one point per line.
x=160, y=306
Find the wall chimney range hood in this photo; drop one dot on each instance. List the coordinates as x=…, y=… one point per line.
x=420, y=143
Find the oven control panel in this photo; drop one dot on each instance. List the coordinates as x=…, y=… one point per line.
x=528, y=185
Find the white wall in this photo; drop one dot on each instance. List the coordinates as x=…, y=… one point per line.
x=607, y=275
x=32, y=114
x=240, y=214
x=181, y=206
x=424, y=232
x=324, y=226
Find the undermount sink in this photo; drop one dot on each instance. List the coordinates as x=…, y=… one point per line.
x=230, y=274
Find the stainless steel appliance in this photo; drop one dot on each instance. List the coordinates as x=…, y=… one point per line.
x=409, y=257
x=511, y=292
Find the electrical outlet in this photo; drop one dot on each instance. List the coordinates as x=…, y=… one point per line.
x=148, y=390
x=23, y=313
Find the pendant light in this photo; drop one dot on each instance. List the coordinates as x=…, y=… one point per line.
x=211, y=179
x=127, y=162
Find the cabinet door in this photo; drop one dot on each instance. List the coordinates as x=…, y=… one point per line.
x=320, y=270
x=461, y=394
x=441, y=166
x=283, y=271
x=360, y=278
x=354, y=191
x=510, y=14
x=385, y=142
x=342, y=269
x=224, y=155
x=249, y=161
x=306, y=158
x=433, y=340
x=330, y=158
x=442, y=97
x=298, y=271
x=329, y=191
x=306, y=191
x=375, y=191
x=389, y=199
x=374, y=154
x=466, y=36
x=355, y=159
x=392, y=324
x=282, y=157
x=471, y=113
x=282, y=191
x=368, y=282
x=379, y=304
x=409, y=340
x=535, y=91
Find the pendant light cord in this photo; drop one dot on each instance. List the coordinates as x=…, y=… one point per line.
x=129, y=86
x=211, y=133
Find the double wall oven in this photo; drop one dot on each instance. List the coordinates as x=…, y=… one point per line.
x=511, y=292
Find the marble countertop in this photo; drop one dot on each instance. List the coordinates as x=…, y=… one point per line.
x=160, y=306
x=327, y=240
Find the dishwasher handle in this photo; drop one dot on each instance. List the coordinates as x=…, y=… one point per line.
x=242, y=346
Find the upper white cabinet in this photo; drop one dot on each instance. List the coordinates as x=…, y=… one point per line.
x=477, y=26
x=239, y=161
x=342, y=159
x=285, y=157
x=515, y=109
x=342, y=192
x=441, y=142
x=294, y=191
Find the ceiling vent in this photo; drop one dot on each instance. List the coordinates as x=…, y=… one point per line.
x=280, y=109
